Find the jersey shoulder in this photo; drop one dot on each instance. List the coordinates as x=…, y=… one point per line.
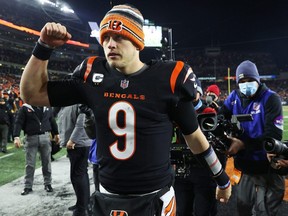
x=83, y=70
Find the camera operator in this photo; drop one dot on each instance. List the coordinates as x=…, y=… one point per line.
x=195, y=193
x=260, y=189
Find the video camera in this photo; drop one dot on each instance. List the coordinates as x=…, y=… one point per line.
x=277, y=147
x=216, y=128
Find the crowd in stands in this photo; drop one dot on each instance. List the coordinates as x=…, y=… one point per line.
x=217, y=64
x=10, y=79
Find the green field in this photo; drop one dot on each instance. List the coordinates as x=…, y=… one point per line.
x=12, y=164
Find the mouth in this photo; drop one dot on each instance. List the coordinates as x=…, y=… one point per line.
x=113, y=55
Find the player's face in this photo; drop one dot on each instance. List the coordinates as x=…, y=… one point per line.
x=120, y=52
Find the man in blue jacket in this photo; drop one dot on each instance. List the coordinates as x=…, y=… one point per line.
x=261, y=189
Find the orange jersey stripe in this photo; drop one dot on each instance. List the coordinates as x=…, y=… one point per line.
x=89, y=67
x=175, y=73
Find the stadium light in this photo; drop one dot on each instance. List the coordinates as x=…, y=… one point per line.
x=47, y=2
x=66, y=9
x=57, y=4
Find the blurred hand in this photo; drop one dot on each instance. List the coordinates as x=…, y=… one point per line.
x=70, y=144
x=17, y=142
x=57, y=139
x=270, y=156
x=282, y=163
x=223, y=195
x=236, y=145
x=277, y=163
x=54, y=34
x=85, y=109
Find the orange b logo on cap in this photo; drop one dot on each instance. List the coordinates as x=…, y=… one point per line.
x=115, y=25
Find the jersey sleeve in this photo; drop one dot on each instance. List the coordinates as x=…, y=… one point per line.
x=71, y=91
x=185, y=117
x=83, y=70
x=189, y=84
x=185, y=89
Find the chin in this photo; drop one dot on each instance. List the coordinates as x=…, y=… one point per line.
x=112, y=63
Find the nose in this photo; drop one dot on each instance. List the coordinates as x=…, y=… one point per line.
x=111, y=43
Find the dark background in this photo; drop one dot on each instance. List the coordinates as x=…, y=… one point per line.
x=255, y=25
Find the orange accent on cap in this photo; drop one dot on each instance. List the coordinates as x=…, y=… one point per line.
x=126, y=21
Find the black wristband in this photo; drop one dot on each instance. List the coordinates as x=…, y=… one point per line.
x=41, y=51
x=222, y=180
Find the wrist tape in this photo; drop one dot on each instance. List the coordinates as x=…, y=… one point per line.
x=42, y=51
x=209, y=159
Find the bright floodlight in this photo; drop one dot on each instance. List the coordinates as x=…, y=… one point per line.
x=66, y=9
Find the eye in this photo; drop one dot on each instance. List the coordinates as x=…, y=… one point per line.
x=118, y=37
x=106, y=37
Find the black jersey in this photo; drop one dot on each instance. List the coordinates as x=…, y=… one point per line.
x=133, y=116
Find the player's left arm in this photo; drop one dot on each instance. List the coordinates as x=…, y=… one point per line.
x=185, y=116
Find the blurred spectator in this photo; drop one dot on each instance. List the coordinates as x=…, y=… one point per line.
x=75, y=139
x=4, y=124
x=37, y=123
x=212, y=97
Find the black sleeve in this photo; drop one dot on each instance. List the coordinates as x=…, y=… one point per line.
x=273, y=118
x=70, y=91
x=273, y=123
x=19, y=122
x=79, y=71
x=54, y=126
x=56, y=110
x=66, y=92
x=89, y=126
x=185, y=117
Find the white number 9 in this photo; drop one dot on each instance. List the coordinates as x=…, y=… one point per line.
x=127, y=131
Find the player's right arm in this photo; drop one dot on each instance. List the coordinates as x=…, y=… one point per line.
x=33, y=84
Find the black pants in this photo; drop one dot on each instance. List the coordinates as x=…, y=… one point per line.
x=195, y=195
x=260, y=194
x=95, y=176
x=79, y=176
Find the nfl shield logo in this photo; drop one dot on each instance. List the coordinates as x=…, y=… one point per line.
x=256, y=106
x=124, y=84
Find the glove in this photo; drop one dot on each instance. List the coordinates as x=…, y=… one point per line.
x=85, y=109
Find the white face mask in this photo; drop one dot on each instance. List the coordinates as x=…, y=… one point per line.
x=248, y=88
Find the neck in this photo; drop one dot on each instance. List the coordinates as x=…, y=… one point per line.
x=133, y=68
